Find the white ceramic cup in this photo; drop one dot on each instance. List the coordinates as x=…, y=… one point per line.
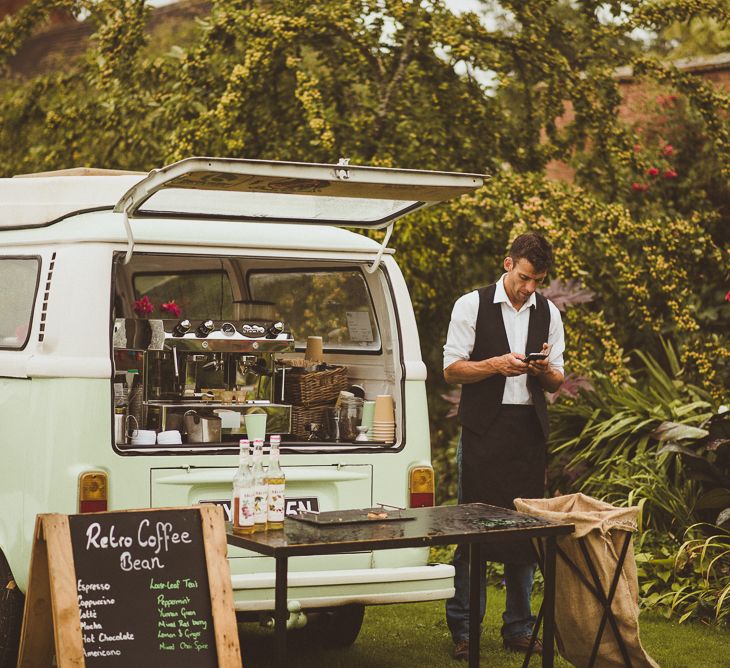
x=229, y=419
x=170, y=437
x=144, y=437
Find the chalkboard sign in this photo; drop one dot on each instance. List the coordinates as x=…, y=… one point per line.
x=154, y=568
x=150, y=588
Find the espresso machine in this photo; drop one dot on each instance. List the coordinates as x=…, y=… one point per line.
x=215, y=370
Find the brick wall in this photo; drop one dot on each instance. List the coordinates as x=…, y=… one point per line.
x=56, y=16
x=64, y=39
x=638, y=95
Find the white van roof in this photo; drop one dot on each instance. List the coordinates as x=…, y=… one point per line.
x=106, y=227
x=226, y=188
x=43, y=200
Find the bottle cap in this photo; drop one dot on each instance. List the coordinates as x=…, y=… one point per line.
x=275, y=439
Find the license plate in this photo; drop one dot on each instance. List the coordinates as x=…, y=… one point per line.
x=294, y=505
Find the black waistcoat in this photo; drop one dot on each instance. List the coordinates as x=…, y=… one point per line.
x=480, y=402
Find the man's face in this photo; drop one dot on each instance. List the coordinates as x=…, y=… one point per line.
x=521, y=280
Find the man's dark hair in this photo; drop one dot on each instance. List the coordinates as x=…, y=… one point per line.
x=535, y=249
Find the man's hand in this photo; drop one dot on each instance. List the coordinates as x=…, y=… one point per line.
x=511, y=364
x=540, y=367
x=549, y=378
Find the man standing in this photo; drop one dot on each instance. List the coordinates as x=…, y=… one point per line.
x=502, y=452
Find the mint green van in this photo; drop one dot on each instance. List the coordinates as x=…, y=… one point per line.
x=142, y=317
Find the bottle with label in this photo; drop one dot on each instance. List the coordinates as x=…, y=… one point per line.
x=242, y=502
x=260, y=490
x=275, y=481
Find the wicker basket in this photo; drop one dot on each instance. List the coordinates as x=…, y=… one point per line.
x=314, y=388
x=302, y=417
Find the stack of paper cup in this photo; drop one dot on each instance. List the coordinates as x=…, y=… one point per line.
x=314, y=351
x=384, y=419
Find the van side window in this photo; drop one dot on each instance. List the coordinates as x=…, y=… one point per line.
x=19, y=281
x=335, y=305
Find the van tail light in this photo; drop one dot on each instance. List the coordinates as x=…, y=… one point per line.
x=93, y=492
x=421, y=486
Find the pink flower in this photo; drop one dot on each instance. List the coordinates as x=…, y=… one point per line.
x=143, y=306
x=668, y=149
x=172, y=308
x=670, y=174
x=639, y=187
x=652, y=171
x=727, y=297
x=637, y=148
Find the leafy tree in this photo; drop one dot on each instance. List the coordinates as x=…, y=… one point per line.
x=330, y=79
x=704, y=35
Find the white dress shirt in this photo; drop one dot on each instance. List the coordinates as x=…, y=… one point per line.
x=462, y=332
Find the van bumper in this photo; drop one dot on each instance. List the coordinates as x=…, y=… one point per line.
x=366, y=586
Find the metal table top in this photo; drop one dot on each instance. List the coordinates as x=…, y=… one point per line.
x=440, y=525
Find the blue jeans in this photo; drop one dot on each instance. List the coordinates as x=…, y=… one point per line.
x=517, y=618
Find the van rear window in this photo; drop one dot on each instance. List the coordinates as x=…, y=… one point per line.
x=197, y=294
x=19, y=278
x=335, y=305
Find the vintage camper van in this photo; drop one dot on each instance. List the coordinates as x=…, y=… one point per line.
x=179, y=302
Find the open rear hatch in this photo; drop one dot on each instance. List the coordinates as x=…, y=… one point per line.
x=290, y=192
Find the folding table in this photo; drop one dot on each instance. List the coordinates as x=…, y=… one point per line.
x=473, y=524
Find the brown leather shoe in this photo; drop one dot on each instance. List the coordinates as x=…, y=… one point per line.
x=461, y=650
x=522, y=644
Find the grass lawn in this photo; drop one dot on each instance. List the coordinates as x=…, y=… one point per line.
x=415, y=635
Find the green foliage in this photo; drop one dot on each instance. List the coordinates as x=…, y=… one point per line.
x=704, y=36
x=325, y=79
x=694, y=581
x=665, y=498
x=374, y=81
x=656, y=442
x=623, y=420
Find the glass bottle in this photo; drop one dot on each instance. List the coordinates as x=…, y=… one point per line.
x=275, y=481
x=242, y=504
x=260, y=489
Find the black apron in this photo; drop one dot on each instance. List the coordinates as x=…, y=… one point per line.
x=505, y=463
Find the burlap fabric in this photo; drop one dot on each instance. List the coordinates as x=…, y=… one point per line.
x=578, y=612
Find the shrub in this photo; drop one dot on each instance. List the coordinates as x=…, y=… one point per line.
x=691, y=582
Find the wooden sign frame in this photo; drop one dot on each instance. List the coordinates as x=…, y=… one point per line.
x=52, y=619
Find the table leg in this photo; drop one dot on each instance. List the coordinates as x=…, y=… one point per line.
x=475, y=560
x=548, y=635
x=281, y=613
